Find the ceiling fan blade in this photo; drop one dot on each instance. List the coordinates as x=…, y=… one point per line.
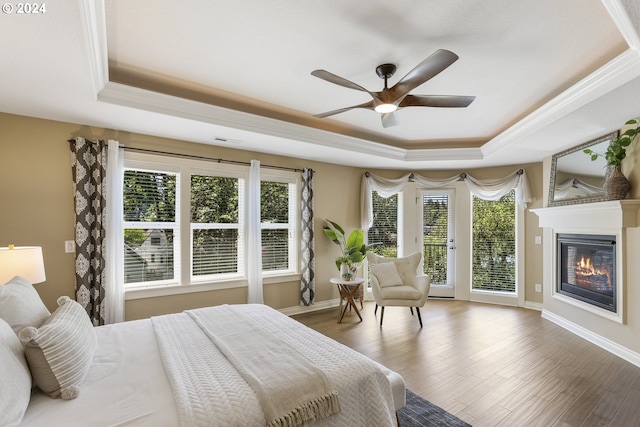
x=430, y=67
x=390, y=119
x=332, y=78
x=367, y=105
x=450, y=101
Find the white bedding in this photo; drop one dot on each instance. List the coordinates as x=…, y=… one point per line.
x=128, y=385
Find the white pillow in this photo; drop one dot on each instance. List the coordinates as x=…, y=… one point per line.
x=20, y=305
x=386, y=273
x=15, y=383
x=60, y=352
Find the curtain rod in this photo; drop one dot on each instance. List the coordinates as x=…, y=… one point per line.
x=191, y=156
x=218, y=160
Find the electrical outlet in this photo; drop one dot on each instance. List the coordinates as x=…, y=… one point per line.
x=538, y=287
x=538, y=240
x=69, y=246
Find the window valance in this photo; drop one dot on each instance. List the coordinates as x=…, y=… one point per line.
x=487, y=189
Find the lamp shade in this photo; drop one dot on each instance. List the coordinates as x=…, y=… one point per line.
x=23, y=261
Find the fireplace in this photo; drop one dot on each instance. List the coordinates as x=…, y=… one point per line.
x=587, y=269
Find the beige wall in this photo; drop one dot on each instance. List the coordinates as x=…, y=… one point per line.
x=37, y=209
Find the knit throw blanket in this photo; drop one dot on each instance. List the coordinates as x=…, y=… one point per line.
x=291, y=389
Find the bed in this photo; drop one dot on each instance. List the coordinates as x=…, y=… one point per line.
x=181, y=370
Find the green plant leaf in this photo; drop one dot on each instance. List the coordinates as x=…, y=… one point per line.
x=331, y=235
x=355, y=239
x=336, y=226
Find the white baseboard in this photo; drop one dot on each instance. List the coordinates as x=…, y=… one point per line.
x=299, y=309
x=605, y=343
x=533, y=305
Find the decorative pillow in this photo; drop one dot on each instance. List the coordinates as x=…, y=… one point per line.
x=60, y=352
x=15, y=386
x=20, y=305
x=386, y=273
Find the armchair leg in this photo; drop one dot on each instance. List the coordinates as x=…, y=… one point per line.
x=375, y=311
x=381, y=315
x=411, y=308
x=419, y=318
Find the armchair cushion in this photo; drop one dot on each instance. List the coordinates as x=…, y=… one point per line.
x=387, y=274
x=405, y=292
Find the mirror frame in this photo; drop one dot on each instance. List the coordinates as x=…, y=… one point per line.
x=554, y=164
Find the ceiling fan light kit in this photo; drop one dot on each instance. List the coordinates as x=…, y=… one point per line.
x=386, y=108
x=388, y=100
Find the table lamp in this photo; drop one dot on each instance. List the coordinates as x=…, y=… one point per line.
x=23, y=261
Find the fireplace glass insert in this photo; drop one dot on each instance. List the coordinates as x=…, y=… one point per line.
x=587, y=268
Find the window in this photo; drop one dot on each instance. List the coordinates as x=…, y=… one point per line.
x=150, y=225
x=215, y=225
x=385, y=229
x=278, y=213
x=210, y=241
x=494, y=244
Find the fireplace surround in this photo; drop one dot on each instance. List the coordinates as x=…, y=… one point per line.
x=611, y=219
x=586, y=268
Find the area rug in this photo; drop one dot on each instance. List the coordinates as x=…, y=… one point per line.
x=420, y=413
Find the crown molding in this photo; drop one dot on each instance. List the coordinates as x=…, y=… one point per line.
x=610, y=76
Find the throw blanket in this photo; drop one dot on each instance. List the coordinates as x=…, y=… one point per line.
x=209, y=391
x=291, y=389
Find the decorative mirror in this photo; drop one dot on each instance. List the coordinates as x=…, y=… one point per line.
x=575, y=178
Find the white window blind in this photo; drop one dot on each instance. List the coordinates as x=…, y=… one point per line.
x=278, y=208
x=386, y=229
x=436, y=223
x=151, y=229
x=216, y=204
x=192, y=210
x=494, y=244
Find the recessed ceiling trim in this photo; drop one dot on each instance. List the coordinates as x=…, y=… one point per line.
x=128, y=96
x=420, y=155
x=95, y=27
x=621, y=19
x=612, y=75
x=617, y=72
x=133, y=97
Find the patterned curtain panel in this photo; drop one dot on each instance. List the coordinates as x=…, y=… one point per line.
x=88, y=163
x=308, y=267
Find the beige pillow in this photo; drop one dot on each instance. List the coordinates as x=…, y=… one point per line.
x=15, y=378
x=20, y=305
x=60, y=351
x=386, y=273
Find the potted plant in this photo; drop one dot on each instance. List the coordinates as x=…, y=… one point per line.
x=616, y=185
x=352, y=248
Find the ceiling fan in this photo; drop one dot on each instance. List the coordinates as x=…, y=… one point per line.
x=388, y=100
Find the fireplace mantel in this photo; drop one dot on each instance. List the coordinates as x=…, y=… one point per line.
x=605, y=218
x=615, y=214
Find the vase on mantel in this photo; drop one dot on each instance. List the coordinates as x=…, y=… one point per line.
x=616, y=185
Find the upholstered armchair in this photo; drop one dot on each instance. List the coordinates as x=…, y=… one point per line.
x=396, y=282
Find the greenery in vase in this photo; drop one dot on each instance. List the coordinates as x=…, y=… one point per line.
x=352, y=247
x=617, y=149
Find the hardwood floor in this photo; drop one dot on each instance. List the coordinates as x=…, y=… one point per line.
x=492, y=365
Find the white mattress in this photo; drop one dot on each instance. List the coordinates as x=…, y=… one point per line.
x=128, y=386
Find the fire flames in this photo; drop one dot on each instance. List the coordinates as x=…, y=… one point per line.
x=589, y=276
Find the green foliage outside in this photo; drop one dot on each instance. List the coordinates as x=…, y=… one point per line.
x=151, y=197
x=494, y=261
x=435, y=220
x=384, y=231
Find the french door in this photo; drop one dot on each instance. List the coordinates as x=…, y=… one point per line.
x=436, y=216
